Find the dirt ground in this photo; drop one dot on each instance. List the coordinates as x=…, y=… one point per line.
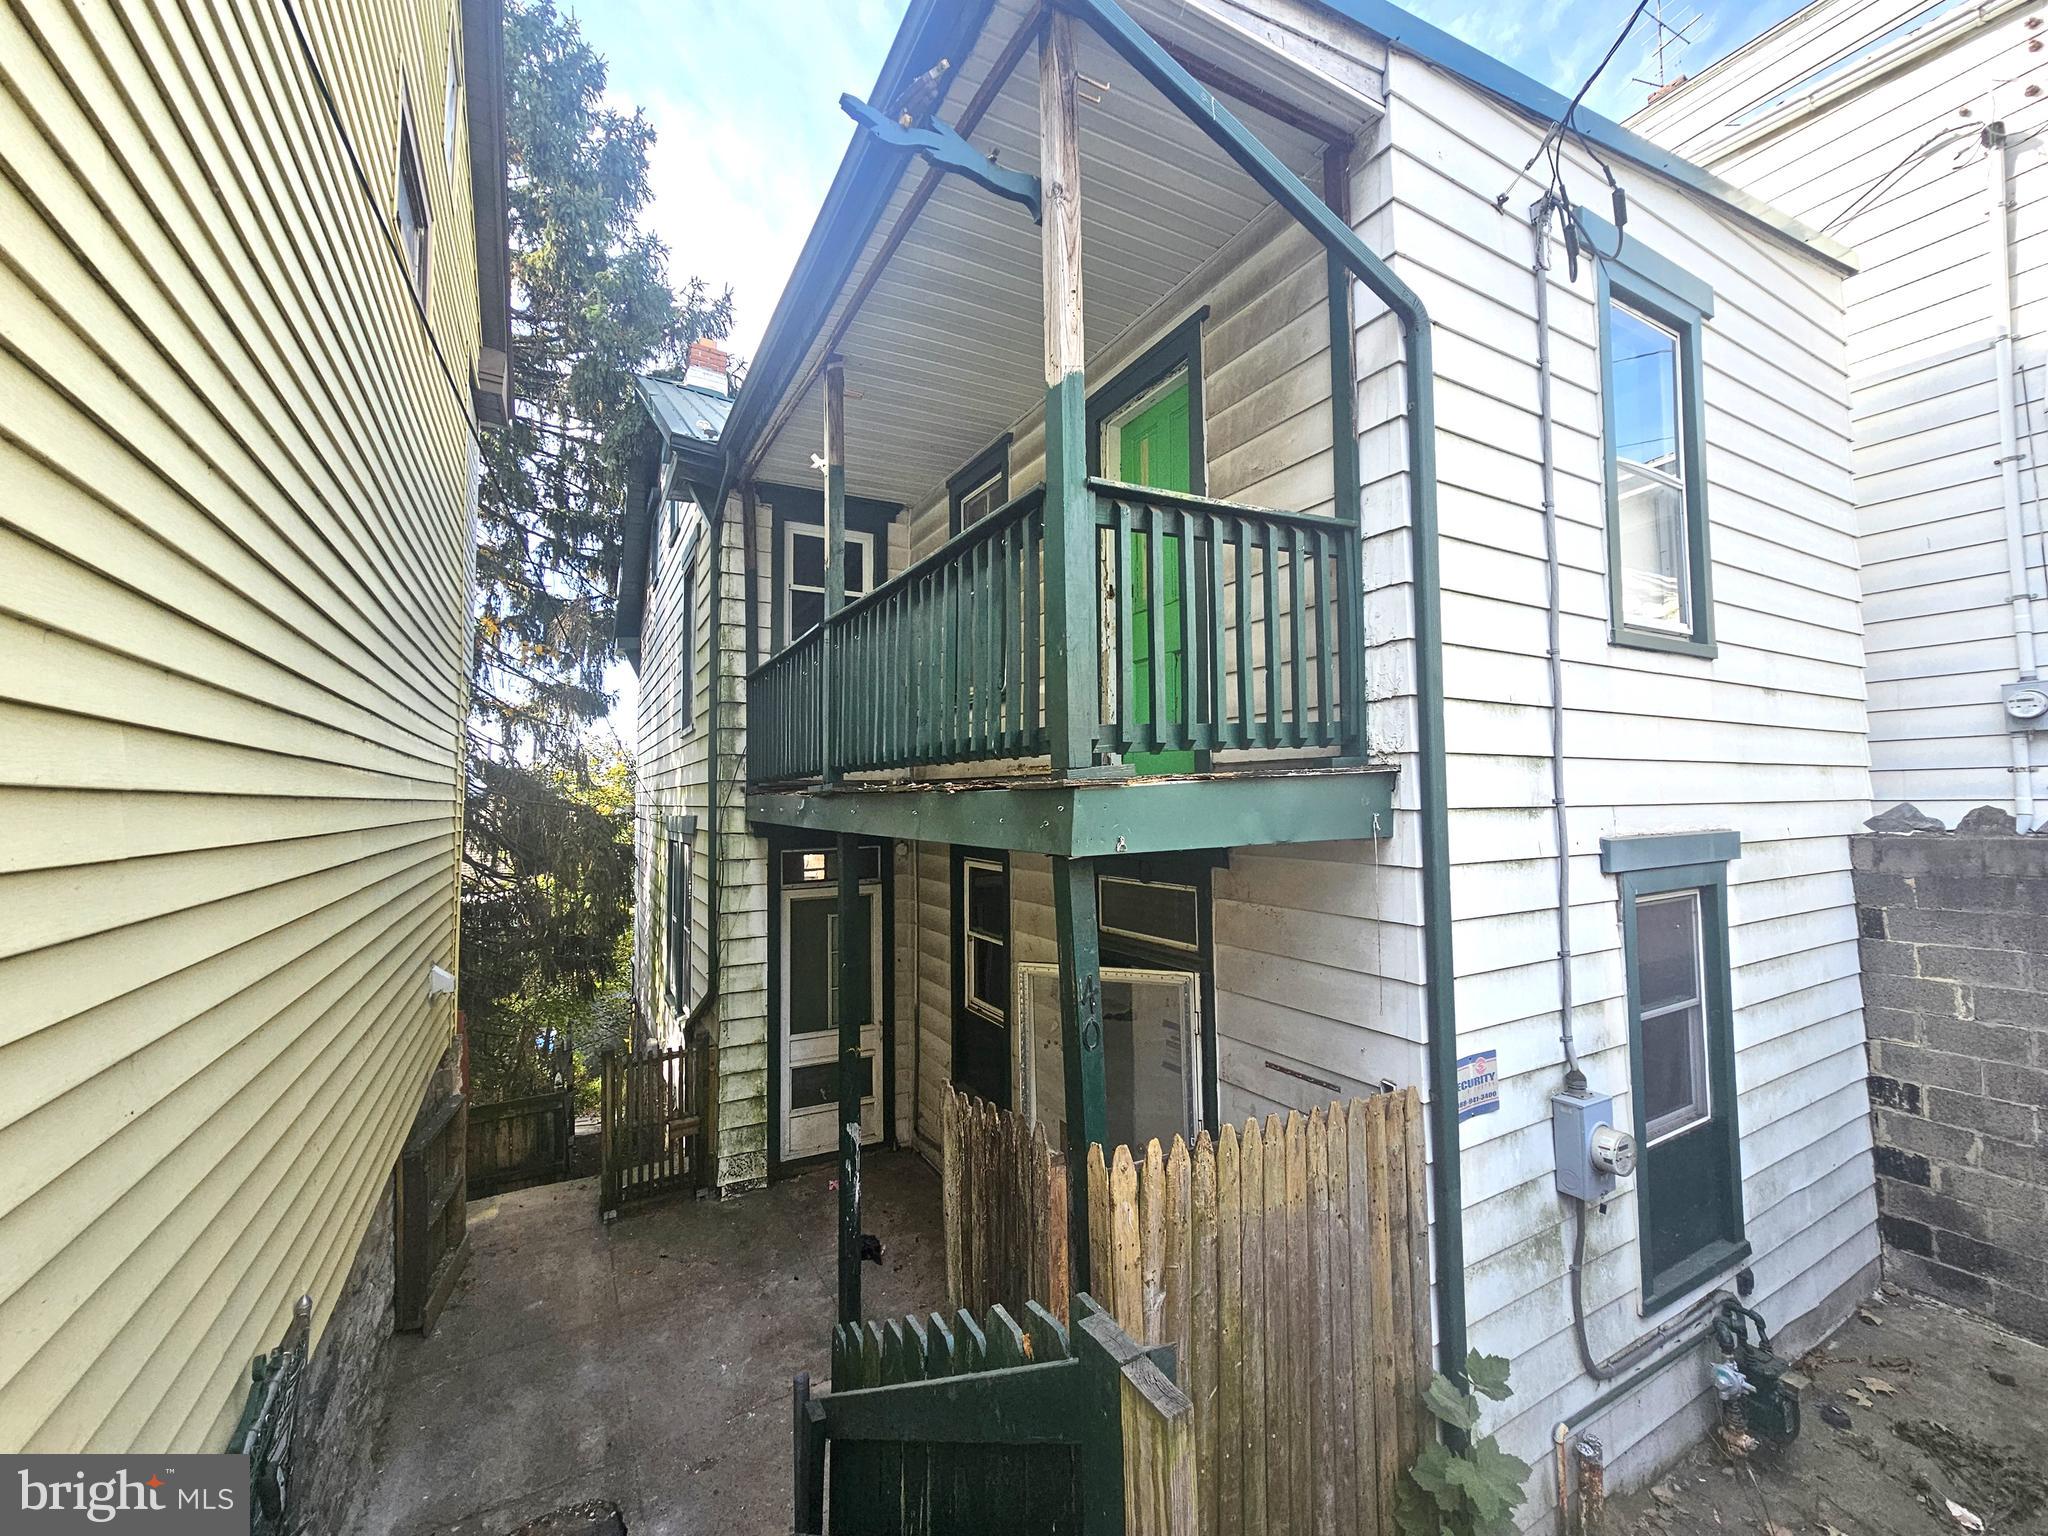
x=1911, y=1405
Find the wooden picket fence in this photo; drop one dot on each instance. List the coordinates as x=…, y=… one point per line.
x=1288, y=1265
x=1005, y=1201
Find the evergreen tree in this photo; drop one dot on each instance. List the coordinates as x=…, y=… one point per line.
x=548, y=857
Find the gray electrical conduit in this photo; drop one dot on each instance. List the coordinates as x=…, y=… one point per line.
x=1607, y=1369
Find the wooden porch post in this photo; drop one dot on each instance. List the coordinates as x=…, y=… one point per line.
x=1072, y=625
x=835, y=557
x=1087, y=1095
x=850, y=1014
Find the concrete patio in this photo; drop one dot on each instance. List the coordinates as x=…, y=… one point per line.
x=647, y=1363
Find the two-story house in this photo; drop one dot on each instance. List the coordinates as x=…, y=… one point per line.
x=1206, y=603
x=253, y=313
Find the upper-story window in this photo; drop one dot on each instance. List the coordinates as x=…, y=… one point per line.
x=451, y=106
x=803, y=562
x=414, y=220
x=981, y=487
x=1651, y=317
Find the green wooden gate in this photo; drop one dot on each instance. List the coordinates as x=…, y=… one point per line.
x=952, y=1425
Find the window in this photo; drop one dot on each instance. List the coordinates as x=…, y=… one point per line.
x=803, y=558
x=451, y=104
x=413, y=217
x=981, y=1051
x=686, y=666
x=1651, y=317
x=1671, y=1004
x=981, y=487
x=985, y=922
x=1674, y=926
x=677, y=908
x=1157, y=915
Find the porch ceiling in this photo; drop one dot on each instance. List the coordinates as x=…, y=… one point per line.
x=944, y=344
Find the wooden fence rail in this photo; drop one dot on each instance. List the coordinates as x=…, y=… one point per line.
x=1288, y=1266
x=1005, y=1202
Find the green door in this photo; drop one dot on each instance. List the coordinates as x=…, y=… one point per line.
x=1152, y=449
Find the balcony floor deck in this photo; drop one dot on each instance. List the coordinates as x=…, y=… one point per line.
x=1099, y=817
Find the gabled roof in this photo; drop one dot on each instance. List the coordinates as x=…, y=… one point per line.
x=685, y=413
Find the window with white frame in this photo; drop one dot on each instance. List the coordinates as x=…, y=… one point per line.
x=1649, y=472
x=803, y=565
x=985, y=968
x=414, y=219
x=1672, y=1013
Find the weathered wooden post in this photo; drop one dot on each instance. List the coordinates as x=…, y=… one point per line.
x=850, y=1014
x=1072, y=629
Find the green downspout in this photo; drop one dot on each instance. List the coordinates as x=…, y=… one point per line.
x=1143, y=54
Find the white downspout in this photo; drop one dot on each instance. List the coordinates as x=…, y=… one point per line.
x=1998, y=223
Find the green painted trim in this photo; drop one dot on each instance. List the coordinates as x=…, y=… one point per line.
x=1618, y=279
x=1662, y=850
x=1661, y=1288
x=1179, y=347
x=682, y=826
x=1645, y=268
x=992, y=460
x=1077, y=933
x=1201, y=108
x=1083, y=819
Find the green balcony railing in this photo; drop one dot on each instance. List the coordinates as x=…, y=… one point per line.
x=1221, y=627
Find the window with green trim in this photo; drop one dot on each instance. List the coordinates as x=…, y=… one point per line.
x=686, y=663
x=1674, y=924
x=677, y=924
x=981, y=487
x=1659, y=567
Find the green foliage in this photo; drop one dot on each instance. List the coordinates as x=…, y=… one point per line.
x=592, y=305
x=548, y=857
x=1470, y=1493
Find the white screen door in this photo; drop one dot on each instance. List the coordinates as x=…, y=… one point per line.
x=1151, y=1050
x=810, y=1041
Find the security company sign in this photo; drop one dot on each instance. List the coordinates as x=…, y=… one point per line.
x=149, y=1495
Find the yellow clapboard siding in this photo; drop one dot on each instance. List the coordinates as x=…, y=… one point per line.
x=235, y=492
x=126, y=1025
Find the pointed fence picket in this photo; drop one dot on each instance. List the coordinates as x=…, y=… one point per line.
x=1287, y=1263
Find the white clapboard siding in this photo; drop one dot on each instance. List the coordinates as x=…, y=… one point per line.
x=1931, y=528
x=1766, y=738
x=235, y=484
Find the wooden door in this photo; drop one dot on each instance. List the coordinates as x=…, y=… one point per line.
x=1151, y=440
x=810, y=1038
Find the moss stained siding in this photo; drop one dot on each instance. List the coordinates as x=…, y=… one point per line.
x=235, y=488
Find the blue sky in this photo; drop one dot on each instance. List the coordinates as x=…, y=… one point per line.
x=744, y=98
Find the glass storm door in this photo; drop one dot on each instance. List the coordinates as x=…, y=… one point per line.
x=810, y=1041
x=1148, y=442
x=1151, y=1053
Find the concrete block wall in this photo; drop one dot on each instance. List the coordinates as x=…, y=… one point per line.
x=1954, y=933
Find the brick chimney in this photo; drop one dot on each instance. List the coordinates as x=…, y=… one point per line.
x=707, y=367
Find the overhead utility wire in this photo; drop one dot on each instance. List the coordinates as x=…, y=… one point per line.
x=1552, y=144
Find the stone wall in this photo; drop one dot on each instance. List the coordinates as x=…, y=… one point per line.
x=345, y=1385
x=1954, y=931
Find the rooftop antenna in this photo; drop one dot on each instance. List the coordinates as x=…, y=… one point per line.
x=1669, y=47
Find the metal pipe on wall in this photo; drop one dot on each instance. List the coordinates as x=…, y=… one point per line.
x=1539, y=266
x=1997, y=160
